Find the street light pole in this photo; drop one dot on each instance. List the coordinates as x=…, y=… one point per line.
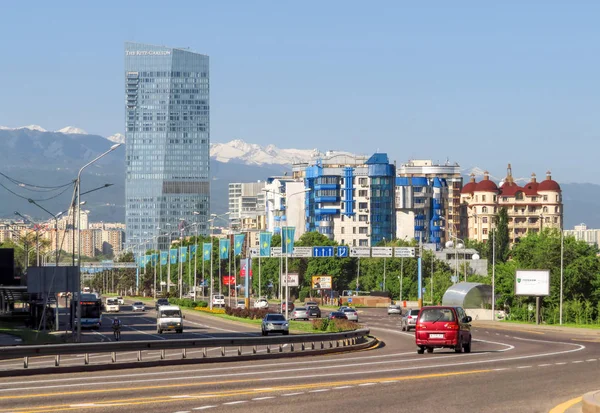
x=562, y=256
x=196, y=256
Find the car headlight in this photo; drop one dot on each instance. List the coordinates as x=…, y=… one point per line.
x=286, y=324
x=269, y=325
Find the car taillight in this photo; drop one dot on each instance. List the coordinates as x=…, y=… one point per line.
x=410, y=317
x=422, y=326
x=451, y=326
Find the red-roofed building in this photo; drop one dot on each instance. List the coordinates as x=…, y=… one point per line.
x=531, y=207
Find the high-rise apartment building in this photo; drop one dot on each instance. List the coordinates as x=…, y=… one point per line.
x=167, y=139
x=246, y=200
x=582, y=233
x=452, y=220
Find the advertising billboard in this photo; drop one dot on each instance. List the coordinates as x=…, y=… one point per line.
x=292, y=280
x=532, y=282
x=321, y=282
x=228, y=280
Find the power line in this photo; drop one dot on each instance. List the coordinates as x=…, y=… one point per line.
x=25, y=184
x=36, y=200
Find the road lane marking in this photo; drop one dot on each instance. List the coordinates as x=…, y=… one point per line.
x=263, y=398
x=524, y=367
x=389, y=381
x=236, y=402
x=342, y=387
x=560, y=364
x=230, y=393
x=367, y=384
x=320, y=390
x=578, y=361
x=204, y=407
x=292, y=394
x=544, y=365
x=591, y=360
x=561, y=408
x=502, y=368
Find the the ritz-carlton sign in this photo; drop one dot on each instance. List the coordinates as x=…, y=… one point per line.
x=148, y=53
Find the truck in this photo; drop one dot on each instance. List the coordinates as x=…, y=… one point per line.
x=169, y=318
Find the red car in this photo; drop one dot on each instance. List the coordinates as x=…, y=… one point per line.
x=443, y=327
x=283, y=305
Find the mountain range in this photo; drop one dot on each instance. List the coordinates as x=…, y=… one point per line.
x=32, y=155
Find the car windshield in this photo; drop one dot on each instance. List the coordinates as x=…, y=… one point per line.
x=437, y=314
x=338, y=314
x=112, y=301
x=275, y=317
x=170, y=313
x=414, y=312
x=219, y=297
x=138, y=303
x=241, y=302
x=163, y=301
x=349, y=310
x=300, y=309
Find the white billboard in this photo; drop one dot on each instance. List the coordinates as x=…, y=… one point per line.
x=292, y=280
x=382, y=252
x=532, y=282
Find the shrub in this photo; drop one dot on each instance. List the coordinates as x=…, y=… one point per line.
x=251, y=313
x=208, y=310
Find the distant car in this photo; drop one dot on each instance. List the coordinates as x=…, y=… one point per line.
x=261, y=303
x=218, y=300
x=443, y=327
x=409, y=320
x=310, y=303
x=275, y=323
x=299, y=313
x=111, y=305
x=351, y=314
x=138, y=306
x=337, y=315
x=283, y=305
x=121, y=301
x=161, y=301
x=394, y=309
x=314, y=311
x=343, y=307
x=240, y=304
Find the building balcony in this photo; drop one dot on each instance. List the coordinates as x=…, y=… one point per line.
x=320, y=199
x=327, y=211
x=326, y=186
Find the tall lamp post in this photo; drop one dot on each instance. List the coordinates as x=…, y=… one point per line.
x=196, y=213
x=212, y=226
x=456, y=246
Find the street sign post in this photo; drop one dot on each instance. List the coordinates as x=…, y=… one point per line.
x=404, y=252
x=360, y=252
x=254, y=252
x=382, y=252
x=276, y=252
x=322, y=252
x=292, y=280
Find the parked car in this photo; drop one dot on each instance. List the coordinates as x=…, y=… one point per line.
x=275, y=323
x=261, y=303
x=337, y=315
x=240, y=304
x=161, y=301
x=351, y=314
x=299, y=313
x=443, y=327
x=283, y=305
x=218, y=300
x=408, y=320
x=394, y=309
x=138, y=306
x=314, y=311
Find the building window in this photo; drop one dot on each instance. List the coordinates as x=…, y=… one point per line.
x=545, y=197
x=343, y=231
x=363, y=230
x=485, y=220
x=519, y=196
x=363, y=218
x=363, y=243
x=545, y=209
x=343, y=242
x=485, y=231
x=484, y=210
x=495, y=198
x=354, y=243
x=354, y=230
x=534, y=199
x=556, y=209
x=482, y=198
x=504, y=199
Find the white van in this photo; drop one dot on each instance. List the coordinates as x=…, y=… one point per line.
x=218, y=299
x=169, y=318
x=111, y=305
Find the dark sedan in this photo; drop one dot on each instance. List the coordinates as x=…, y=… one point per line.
x=337, y=315
x=314, y=311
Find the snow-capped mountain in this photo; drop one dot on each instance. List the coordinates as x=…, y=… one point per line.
x=479, y=173
x=117, y=138
x=253, y=154
x=30, y=127
x=72, y=130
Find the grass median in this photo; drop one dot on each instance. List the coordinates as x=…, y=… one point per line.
x=29, y=336
x=572, y=325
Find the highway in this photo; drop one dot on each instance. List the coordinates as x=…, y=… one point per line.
x=509, y=370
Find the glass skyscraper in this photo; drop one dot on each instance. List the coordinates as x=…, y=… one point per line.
x=167, y=122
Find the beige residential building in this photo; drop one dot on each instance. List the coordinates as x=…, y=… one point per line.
x=531, y=207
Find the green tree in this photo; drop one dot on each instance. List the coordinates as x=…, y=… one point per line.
x=501, y=236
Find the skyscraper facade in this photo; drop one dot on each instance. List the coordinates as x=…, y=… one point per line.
x=167, y=136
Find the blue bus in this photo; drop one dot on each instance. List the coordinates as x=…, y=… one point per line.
x=91, y=310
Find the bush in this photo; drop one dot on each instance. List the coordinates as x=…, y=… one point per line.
x=208, y=310
x=304, y=292
x=334, y=326
x=187, y=302
x=251, y=313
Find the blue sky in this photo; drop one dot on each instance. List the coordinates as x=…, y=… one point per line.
x=480, y=83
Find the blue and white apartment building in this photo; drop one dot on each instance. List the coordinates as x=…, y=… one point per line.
x=361, y=201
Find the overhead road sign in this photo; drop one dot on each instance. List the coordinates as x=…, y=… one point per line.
x=343, y=251
x=382, y=252
x=323, y=252
x=303, y=252
x=404, y=252
x=360, y=252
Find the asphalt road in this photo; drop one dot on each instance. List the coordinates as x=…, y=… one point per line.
x=509, y=370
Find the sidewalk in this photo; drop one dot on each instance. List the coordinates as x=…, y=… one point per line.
x=589, y=333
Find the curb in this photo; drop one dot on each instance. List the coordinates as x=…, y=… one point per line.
x=591, y=402
x=370, y=342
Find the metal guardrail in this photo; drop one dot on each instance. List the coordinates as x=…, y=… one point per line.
x=345, y=338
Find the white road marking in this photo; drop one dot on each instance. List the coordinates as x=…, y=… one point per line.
x=578, y=361
x=591, y=360
x=367, y=384
x=500, y=369
x=560, y=364
x=319, y=390
x=263, y=398
x=237, y=402
x=292, y=394
x=204, y=407
x=183, y=411
x=342, y=387
x=544, y=365
x=524, y=367
x=389, y=381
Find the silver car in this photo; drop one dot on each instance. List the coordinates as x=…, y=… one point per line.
x=275, y=323
x=394, y=309
x=351, y=314
x=408, y=320
x=299, y=313
x=138, y=306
